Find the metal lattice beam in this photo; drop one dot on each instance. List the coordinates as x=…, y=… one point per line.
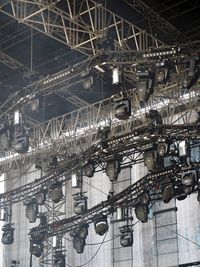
x=80, y=25
x=10, y=62
x=156, y=21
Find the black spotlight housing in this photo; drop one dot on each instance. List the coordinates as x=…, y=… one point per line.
x=55, y=192
x=40, y=197
x=32, y=210
x=79, y=244
x=162, y=72
x=22, y=144
x=89, y=169
x=113, y=168
x=101, y=224
x=145, y=85
x=123, y=110
x=188, y=181
x=36, y=247
x=126, y=237
x=80, y=203
x=8, y=234
x=141, y=212
x=168, y=193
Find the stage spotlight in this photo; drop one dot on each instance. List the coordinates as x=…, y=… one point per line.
x=116, y=76
x=141, y=212
x=36, y=248
x=145, y=86
x=82, y=231
x=144, y=199
x=40, y=197
x=162, y=72
x=32, y=210
x=104, y=134
x=76, y=181
x=89, y=169
x=59, y=260
x=162, y=148
x=79, y=244
x=150, y=159
x=123, y=109
x=6, y=137
x=154, y=116
x=22, y=144
x=168, y=193
x=80, y=203
x=101, y=224
x=113, y=168
x=7, y=234
x=55, y=192
x=188, y=181
x=126, y=237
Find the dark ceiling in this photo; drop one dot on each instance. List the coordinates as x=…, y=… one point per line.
x=43, y=55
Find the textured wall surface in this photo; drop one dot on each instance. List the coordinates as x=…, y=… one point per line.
x=142, y=254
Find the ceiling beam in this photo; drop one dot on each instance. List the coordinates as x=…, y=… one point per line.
x=157, y=22
x=81, y=25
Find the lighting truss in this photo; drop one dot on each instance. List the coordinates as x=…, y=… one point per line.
x=129, y=196
x=124, y=145
x=83, y=32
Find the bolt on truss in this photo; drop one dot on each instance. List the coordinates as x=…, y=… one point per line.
x=77, y=131
x=80, y=24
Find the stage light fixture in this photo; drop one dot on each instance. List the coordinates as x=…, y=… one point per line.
x=150, y=159
x=22, y=144
x=145, y=85
x=141, y=212
x=161, y=148
x=82, y=231
x=113, y=168
x=40, y=197
x=79, y=244
x=154, y=116
x=31, y=210
x=7, y=234
x=126, y=237
x=75, y=179
x=123, y=109
x=89, y=169
x=188, y=181
x=6, y=137
x=162, y=72
x=144, y=198
x=80, y=203
x=168, y=193
x=101, y=224
x=36, y=247
x=55, y=192
x=104, y=134
x=116, y=75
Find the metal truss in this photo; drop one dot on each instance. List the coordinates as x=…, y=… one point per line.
x=53, y=212
x=77, y=131
x=190, y=264
x=80, y=24
x=10, y=62
x=156, y=21
x=149, y=183
x=127, y=146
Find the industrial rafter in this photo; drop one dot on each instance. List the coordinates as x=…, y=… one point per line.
x=81, y=25
x=77, y=131
x=157, y=22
